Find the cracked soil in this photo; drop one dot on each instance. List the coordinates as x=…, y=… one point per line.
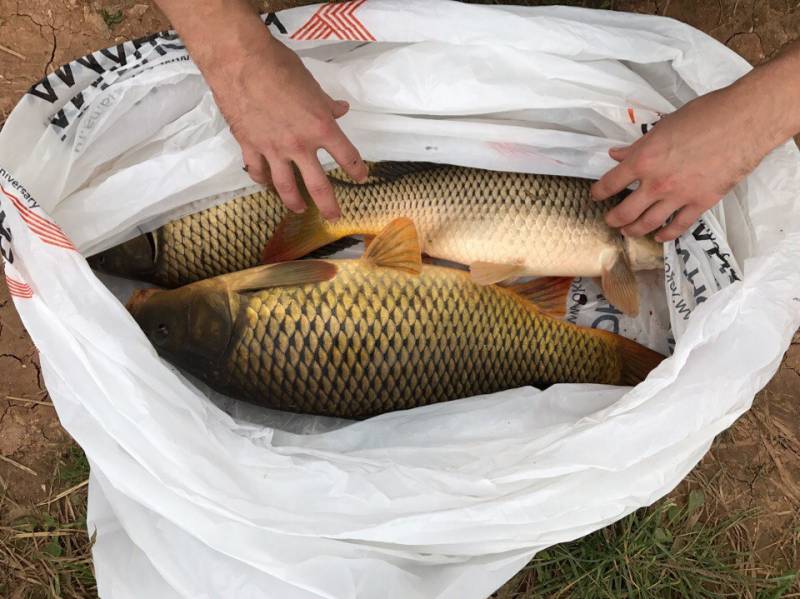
x=753, y=465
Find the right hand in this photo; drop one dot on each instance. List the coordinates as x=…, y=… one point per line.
x=280, y=116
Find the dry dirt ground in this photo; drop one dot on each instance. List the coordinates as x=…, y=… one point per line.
x=754, y=465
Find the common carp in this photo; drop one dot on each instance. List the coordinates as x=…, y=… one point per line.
x=502, y=225
x=215, y=241
x=356, y=338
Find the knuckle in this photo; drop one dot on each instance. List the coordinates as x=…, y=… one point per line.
x=651, y=222
x=283, y=186
x=318, y=188
x=644, y=162
x=663, y=185
x=324, y=127
x=294, y=145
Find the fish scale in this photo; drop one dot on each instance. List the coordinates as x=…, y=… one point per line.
x=375, y=340
x=218, y=240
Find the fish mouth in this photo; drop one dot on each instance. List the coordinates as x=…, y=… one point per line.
x=139, y=299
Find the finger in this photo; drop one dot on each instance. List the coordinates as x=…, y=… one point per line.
x=620, y=153
x=653, y=218
x=318, y=186
x=346, y=154
x=339, y=108
x=631, y=208
x=255, y=165
x=284, y=182
x=614, y=181
x=682, y=221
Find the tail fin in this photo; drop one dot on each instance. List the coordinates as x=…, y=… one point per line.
x=637, y=361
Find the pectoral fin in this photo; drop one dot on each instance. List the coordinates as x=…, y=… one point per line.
x=397, y=246
x=298, y=235
x=619, y=284
x=285, y=274
x=548, y=293
x=488, y=273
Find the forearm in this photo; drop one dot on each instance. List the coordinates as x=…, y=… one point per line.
x=222, y=36
x=277, y=112
x=768, y=99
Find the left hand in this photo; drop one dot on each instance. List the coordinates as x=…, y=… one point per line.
x=687, y=162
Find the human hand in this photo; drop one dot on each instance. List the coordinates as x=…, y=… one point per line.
x=276, y=110
x=690, y=160
x=280, y=116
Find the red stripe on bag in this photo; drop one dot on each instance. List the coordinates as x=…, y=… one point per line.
x=18, y=289
x=335, y=20
x=45, y=230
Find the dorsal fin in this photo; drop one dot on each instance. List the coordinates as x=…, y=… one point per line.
x=384, y=172
x=285, y=274
x=396, y=246
x=548, y=293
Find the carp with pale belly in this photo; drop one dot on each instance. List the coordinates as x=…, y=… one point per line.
x=502, y=225
x=356, y=338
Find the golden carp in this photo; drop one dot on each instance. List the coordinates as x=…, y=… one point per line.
x=502, y=225
x=356, y=338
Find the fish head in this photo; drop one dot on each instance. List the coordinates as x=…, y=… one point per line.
x=190, y=326
x=134, y=259
x=644, y=253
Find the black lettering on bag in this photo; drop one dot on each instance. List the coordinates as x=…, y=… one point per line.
x=44, y=90
x=609, y=314
x=272, y=19
x=5, y=233
x=120, y=57
x=148, y=39
x=65, y=74
x=60, y=120
x=702, y=233
x=77, y=100
x=683, y=309
x=90, y=62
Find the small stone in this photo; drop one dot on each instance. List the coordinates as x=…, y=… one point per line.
x=137, y=10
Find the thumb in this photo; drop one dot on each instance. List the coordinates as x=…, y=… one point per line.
x=339, y=108
x=620, y=153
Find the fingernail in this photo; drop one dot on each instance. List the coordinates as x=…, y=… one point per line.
x=299, y=209
x=659, y=239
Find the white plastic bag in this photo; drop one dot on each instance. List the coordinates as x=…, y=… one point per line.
x=443, y=501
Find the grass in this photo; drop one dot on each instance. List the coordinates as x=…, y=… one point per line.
x=664, y=551
x=670, y=550
x=112, y=18
x=45, y=551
